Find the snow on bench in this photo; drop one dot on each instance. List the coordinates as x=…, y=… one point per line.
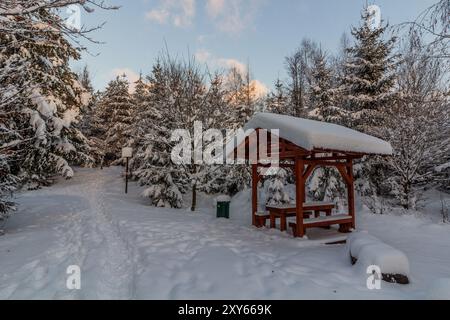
x=366, y=250
x=317, y=203
x=306, y=205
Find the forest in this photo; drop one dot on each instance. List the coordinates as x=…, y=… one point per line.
x=390, y=81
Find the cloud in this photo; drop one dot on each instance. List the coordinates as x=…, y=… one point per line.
x=180, y=13
x=233, y=16
x=158, y=16
x=204, y=56
x=130, y=74
x=214, y=7
x=229, y=16
x=232, y=63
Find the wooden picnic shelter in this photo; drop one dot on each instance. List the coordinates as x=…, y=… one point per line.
x=304, y=145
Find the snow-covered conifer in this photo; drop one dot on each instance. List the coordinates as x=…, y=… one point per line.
x=275, y=188
x=278, y=100
x=50, y=94
x=322, y=95
x=369, y=76
x=114, y=114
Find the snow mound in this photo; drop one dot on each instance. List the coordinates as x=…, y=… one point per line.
x=310, y=134
x=368, y=250
x=439, y=290
x=241, y=207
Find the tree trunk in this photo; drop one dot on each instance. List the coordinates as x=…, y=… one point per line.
x=406, y=195
x=194, y=197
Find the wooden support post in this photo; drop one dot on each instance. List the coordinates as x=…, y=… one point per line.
x=351, y=192
x=126, y=177
x=272, y=221
x=300, y=194
x=254, y=193
x=308, y=171
x=304, y=189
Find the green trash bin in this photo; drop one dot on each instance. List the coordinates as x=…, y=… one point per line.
x=223, y=207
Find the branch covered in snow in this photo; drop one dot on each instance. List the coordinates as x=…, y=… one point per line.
x=434, y=23
x=14, y=15
x=24, y=7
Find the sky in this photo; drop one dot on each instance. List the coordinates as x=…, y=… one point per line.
x=222, y=33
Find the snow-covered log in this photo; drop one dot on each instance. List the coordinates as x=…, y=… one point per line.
x=366, y=250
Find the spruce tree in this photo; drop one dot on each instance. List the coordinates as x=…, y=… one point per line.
x=87, y=110
x=41, y=99
x=50, y=95
x=152, y=165
x=278, y=100
x=368, y=93
x=275, y=188
x=322, y=96
x=114, y=115
x=136, y=130
x=369, y=76
x=8, y=184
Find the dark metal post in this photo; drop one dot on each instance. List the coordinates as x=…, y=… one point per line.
x=126, y=178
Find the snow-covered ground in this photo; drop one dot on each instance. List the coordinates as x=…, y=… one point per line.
x=129, y=250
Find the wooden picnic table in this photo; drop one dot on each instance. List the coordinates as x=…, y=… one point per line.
x=289, y=210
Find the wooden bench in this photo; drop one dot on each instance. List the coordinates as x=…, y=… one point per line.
x=343, y=220
x=289, y=210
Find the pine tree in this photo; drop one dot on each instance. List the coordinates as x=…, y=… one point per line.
x=40, y=97
x=322, y=96
x=87, y=110
x=152, y=165
x=136, y=129
x=50, y=95
x=325, y=184
x=11, y=120
x=114, y=115
x=368, y=93
x=278, y=101
x=140, y=93
x=8, y=184
x=85, y=79
x=369, y=76
x=275, y=188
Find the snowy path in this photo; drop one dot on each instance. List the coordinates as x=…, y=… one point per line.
x=128, y=250
x=109, y=254
x=87, y=237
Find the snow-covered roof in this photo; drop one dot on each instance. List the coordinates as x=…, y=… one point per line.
x=310, y=134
